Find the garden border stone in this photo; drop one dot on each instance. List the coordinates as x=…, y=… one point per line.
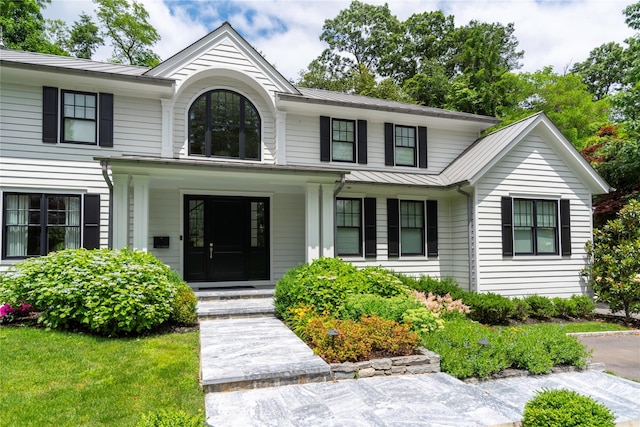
x=424, y=362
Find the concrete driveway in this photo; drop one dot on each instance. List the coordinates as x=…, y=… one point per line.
x=620, y=352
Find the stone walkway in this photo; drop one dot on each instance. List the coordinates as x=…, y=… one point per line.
x=256, y=372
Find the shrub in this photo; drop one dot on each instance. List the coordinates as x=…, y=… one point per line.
x=440, y=287
x=583, y=306
x=324, y=284
x=173, y=418
x=184, y=306
x=614, y=261
x=489, y=308
x=423, y=320
x=442, y=305
x=390, y=308
x=540, y=307
x=520, y=309
x=565, y=408
x=371, y=337
x=108, y=292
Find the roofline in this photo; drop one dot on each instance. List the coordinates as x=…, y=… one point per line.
x=157, y=81
x=432, y=112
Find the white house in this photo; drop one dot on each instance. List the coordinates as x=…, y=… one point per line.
x=224, y=170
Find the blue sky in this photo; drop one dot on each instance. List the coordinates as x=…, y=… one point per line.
x=558, y=33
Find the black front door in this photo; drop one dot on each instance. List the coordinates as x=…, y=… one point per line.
x=227, y=238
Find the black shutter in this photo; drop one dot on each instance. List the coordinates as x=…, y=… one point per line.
x=393, y=227
x=49, y=114
x=422, y=147
x=565, y=226
x=362, y=142
x=432, y=228
x=91, y=239
x=388, y=144
x=325, y=139
x=507, y=227
x=370, y=227
x=105, y=136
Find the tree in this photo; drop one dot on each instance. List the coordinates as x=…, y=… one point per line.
x=627, y=101
x=24, y=28
x=603, y=71
x=614, y=261
x=84, y=37
x=127, y=25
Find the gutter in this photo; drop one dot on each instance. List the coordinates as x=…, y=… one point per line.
x=105, y=174
x=472, y=283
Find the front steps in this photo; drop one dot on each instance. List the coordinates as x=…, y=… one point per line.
x=243, y=346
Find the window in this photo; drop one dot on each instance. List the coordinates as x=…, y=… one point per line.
x=86, y=118
x=405, y=146
x=344, y=140
x=535, y=227
x=349, y=226
x=79, y=117
x=258, y=225
x=36, y=224
x=411, y=228
x=224, y=124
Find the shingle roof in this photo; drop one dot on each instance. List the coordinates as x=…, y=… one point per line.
x=394, y=178
x=358, y=101
x=484, y=150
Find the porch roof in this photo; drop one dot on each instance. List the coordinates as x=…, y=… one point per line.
x=395, y=178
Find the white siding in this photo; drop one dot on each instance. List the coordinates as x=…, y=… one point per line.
x=164, y=220
x=303, y=144
x=287, y=232
x=459, y=241
x=532, y=170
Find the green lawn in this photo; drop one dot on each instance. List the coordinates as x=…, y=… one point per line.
x=71, y=379
x=572, y=327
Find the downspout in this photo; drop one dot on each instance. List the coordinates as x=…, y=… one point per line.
x=472, y=284
x=338, y=189
x=105, y=175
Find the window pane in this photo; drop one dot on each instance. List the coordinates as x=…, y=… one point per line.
x=348, y=241
x=523, y=240
x=258, y=225
x=546, y=240
x=251, y=132
x=79, y=130
x=343, y=151
x=546, y=213
x=196, y=224
x=523, y=213
x=411, y=228
x=411, y=241
x=405, y=156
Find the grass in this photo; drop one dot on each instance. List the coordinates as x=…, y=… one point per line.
x=71, y=379
x=573, y=327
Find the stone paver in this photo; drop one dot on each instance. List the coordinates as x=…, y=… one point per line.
x=255, y=352
x=420, y=400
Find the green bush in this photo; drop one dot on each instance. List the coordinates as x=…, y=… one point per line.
x=184, y=306
x=489, y=308
x=540, y=307
x=520, y=309
x=614, y=261
x=173, y=418
x=324, y=284
x=423, y=320
x=355, y=341
x=565, y=408
x=583, y=306
x=390, y=308
x=469, y=348
x=440, y=287
x=107, y=292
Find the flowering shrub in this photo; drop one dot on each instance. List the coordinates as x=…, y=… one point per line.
x=8, y=313
x=441, y=304
x=107, y=292
x=355, y=341
x=423, y=320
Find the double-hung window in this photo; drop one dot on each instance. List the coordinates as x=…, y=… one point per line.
x=79, y=114
x=536, y=226
x=349, y=226
x=411, y=227
x=343, y=140
x=405, y=146
x=35, y=224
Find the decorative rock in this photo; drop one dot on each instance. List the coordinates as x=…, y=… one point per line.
x=343, y=367
x=344, y=375
x=366, y=373
x=381, y=364
x=398, y=370
x=363, y=365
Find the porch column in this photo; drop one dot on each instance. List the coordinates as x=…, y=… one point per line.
x=327, y=221
x=167, y=128
x=140, y=212
x=312, y=221
x=120, y=220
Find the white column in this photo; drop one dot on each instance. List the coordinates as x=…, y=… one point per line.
x=167, y=128
x=327, y=221
x=140, y=212
x=120, y=220
x=281, y=138
x=312, y=221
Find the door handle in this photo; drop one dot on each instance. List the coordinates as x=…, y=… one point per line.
x=211, y=250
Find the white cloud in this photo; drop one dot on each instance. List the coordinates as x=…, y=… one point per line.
x=556, y=33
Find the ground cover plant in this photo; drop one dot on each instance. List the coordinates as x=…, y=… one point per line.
x=70, y=379
x=106, y=292
x=565, y=408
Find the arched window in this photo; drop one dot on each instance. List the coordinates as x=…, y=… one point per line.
x=224, y=124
